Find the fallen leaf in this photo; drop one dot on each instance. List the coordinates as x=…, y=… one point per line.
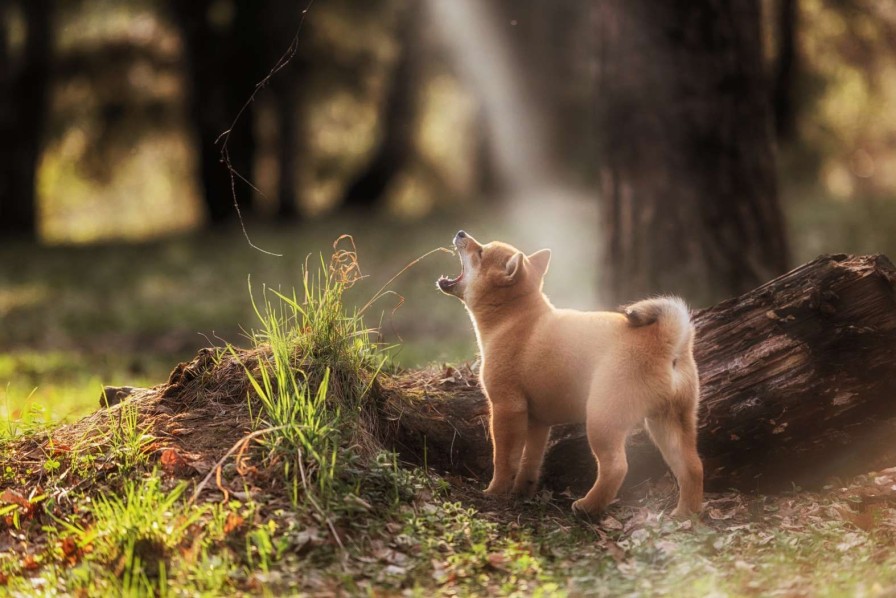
x=394, y=570
x=201, y=466
x=29, y=564
x=720, y=515
x=389, y=555
x=172, y=462
x=14, y=498
x=615, y=551
x=70, y=550
x=497, y=561
x=60, y=449
x=639, y=536
x=610, y=522
x=68, y=546
x=233, y=522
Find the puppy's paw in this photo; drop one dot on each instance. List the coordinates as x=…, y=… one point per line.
x=581, y=509
x=683, y=513
x=525, y=489
x=497, y=490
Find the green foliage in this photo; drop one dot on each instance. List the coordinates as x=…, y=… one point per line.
x=13, y=424
x=315, y=365
x=147, y=541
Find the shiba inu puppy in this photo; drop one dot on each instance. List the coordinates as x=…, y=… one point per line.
x=543, y=366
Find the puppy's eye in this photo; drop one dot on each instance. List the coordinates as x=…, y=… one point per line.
x=480, y=253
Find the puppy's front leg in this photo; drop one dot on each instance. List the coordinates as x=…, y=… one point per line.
x=533, y=455
x=509, y=424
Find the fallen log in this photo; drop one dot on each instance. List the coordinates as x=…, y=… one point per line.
x=798, y=385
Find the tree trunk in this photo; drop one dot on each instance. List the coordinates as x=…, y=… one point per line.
x=23, y=109
x=221, y=75
x=686, y=165
x=488, y=182
x=398, y=121
x=287, y=151
x=281, y=18
x=798, y=384
x=554, y=45
x=786, y=65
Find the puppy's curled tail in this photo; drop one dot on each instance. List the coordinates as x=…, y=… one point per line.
x=671, y=316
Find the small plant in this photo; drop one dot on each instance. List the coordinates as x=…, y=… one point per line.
x=13, y=424
x=128, y=439
x=132, y=536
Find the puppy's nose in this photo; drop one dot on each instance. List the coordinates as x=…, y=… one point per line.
x=461, y=234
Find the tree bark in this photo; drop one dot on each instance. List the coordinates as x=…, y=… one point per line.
x=798, y=384
x=686, y=164
x=24, y=91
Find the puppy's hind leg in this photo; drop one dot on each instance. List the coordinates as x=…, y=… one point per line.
x=527, y=478
x=675, y=434
x=607, y=440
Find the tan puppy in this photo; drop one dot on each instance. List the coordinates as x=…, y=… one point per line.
x=543, y=366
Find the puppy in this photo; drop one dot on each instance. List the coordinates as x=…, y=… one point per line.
x=543, y=366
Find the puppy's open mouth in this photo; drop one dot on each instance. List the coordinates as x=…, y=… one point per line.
x=447, y=282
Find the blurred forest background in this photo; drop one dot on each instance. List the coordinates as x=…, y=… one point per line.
x=693, y=147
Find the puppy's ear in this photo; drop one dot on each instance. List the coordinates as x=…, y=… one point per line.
x=514, y=267
x=540, y=260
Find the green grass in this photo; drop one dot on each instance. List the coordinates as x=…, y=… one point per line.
x=316, y=362
x=146, y=541
x=128, y=437
x=38, y=386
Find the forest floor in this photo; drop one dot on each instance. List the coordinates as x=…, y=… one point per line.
x=148, y=497
x=262, y=474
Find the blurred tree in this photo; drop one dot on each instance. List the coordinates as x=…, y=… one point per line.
x=24, y=84
x=686, y=164
x=555, y=43
x=290, y=67
x=488, y=183
x=222, y=47
x=785, y=69
x=398, y=120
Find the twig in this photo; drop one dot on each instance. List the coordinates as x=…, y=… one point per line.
x=380, y=293
x=221, y=461
x=224, y=138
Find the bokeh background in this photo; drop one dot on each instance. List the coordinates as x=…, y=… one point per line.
x=698, y=148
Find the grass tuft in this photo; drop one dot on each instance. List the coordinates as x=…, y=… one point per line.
x=128, y=438
x=316, y=367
